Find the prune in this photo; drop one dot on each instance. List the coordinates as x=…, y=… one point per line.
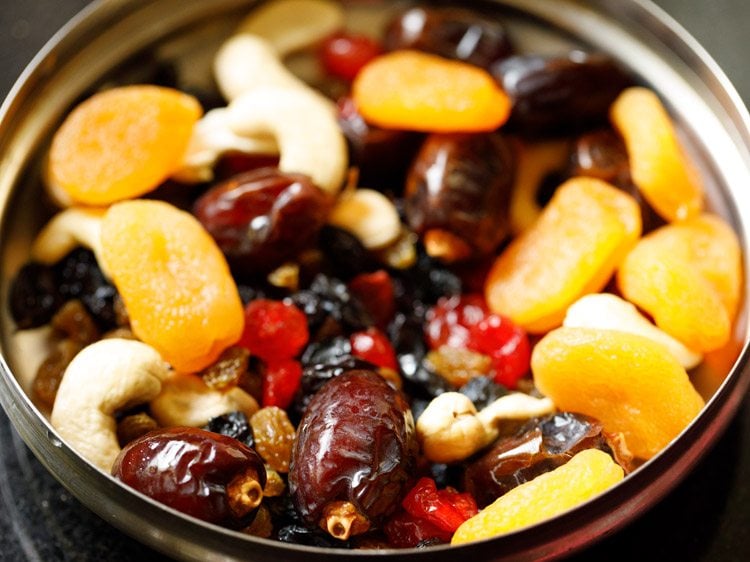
x=263, y=217
x=354, y=455
x=561, y=94
x=209, y=476
x=34, y=296
x=234, y=425
x=457, y=194
x=451, y=33
x=538, y=447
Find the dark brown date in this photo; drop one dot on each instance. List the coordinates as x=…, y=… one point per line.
x=559, y=95
x=354, y=454
x=449, y=32
x=209, y=476
x=538, y=447
x=263, y=217
x=459, y=186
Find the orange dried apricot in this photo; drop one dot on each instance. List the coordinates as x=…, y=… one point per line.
x=632, y=384
x=174, y=281
x=589, y=473
x=424, y=92
x=658, y=165
x=688, y=276
x=572, y=249
x=121, y=143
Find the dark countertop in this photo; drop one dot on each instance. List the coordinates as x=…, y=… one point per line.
x=706, y=518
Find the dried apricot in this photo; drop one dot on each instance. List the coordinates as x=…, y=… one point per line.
x=423, y=92
x=658, y=165
x=688, y=276
x=584, y=476
x=572, y=249
x=632, y=384
x=174, y=281
x=121, y=143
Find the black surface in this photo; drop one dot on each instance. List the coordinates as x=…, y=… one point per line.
x=706, y=518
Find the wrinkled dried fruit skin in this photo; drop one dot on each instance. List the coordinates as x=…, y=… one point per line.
x=262, y=217
x=462, y=183
x=538, y=447
x=553, y=95
x=188, y=469
x=355, y=443
x=449, y=32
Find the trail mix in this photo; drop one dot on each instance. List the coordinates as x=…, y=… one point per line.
x=450, y=291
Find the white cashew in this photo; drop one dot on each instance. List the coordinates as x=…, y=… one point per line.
x=186, y=400
x=105, y=377
x=609, y=312
x=449, y=429
x=305, y=128
x=369, y=215
x=246, y=62
x=291, y=25
x=212, y=137
x=68, y=229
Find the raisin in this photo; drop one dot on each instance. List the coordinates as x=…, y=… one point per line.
x=356, y=444
x=228, y=370
x=483, y=391
x=133, y=426
x=73, y=320
x=209, y=476
x=51, y=371
x=345, y=253
x=234, y=425
x=299, y=534
x=458, y=366
x=34, y=296
x=274, y=437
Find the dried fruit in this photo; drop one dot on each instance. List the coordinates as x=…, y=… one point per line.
x=281, y=381
x=174, y=281
x=507, y=346
x=373, y=346
x=659, y=166
x=343, y=54
x=274, y=329
x=355, y=446
x=229, y=369
x=586, y=475
x=630, y=383
x=422, y=92
x=209, y=476
x=274, y=437
x=574, y=247
x=458, y=365
x=121, y=143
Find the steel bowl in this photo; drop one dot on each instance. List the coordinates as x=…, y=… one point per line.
x=120, y=39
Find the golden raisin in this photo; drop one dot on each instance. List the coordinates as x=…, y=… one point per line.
x=228, y=369
x=52, y=369
x=134, y=426
x=274, y=437
x=457, y=365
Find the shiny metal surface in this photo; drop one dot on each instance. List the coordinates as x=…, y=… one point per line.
x=109, y=32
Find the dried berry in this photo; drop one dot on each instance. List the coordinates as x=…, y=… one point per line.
x=446, y=509
x=274, y=330
x=506, y=343
x=373, y=346
x=52, y=369
x=449, y=322
x=131, y=427
x=228, y=370
x=274, y=437
x=356, y=446
x=73, y=320
x=343, y=54
x=483, y=391
x=344, y=252
x=375, y=292
x=34, y=296
x=200, y=473
x=281, y=381
x=457, y=365
x=234, y=425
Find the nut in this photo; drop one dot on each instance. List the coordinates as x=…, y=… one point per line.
x=609, y=312
x=449, y=429
x=68, y=229
x=304, y=127
x=291, y=25
x=185, y=400
x=104, y=378
x=369, y=215
x=212, y=137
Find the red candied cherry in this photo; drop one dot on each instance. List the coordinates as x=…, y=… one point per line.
x=449, y=321
x=375, y=292
x=372, y=345
x=446, y=509
x=343, y=54
x=274, y=330
x=281, y=380
x=406, y=531
x=506, y=343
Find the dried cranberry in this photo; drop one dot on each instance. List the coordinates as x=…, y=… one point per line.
x=375, y=292
x=446, y=509
x=372, y=345
x=343, y=54
x=274, y=330
x=506, y=343
x=281, y=381
x=209, y=476
x=406, y=531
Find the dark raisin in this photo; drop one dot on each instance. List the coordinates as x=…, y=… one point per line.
x=299, y=534
x=234, y=425
x=483, y=391
x=34, y=296
x=344, y=252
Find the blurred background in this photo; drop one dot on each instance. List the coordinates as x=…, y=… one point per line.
x=706, y=518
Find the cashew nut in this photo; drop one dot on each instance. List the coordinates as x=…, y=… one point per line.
x=610, y=312
x=105, y=377
x=186, y=400
x=290, y=25
x=212, y=137
x=369, y=215
x=450, y=429
x=304, y=126
x=68, y=229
